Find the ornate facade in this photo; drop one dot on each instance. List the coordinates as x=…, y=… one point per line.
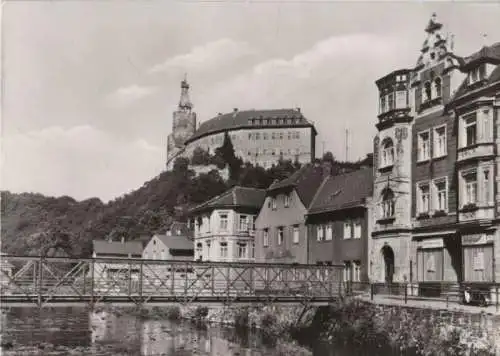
x=436, y=164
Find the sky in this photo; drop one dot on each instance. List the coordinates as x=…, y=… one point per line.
x=89, y=87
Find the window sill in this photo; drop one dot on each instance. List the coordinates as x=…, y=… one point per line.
x=441, y=156
x=386, y=168
x=420, y=161
x=385, y=221
x=439, y=213
x=469, y=208
x=423, y=216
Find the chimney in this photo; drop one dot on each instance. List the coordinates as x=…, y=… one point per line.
x=235, y=110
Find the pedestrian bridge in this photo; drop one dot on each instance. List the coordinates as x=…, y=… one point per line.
x=53, y=280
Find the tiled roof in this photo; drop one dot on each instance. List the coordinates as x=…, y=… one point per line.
x=492, y=55
x=233, y=198
x=103, y=247
x=305, y=181
x=240, y=119
x=343, y=191
x=176, y=242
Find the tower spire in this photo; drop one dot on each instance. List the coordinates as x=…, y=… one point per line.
x=185, y=102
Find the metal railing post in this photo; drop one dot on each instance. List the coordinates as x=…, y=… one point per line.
x=40, y=281
x=92, y=283
x=129, y=279
x=406, y=292
x=213, y=280
x=497, y=303
x=141, y=280
x=372, y=290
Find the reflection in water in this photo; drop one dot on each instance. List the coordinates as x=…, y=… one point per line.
x=78, y=327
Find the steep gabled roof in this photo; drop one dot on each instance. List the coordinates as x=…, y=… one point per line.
x=240, y=119
x=103, y=247
x=176, y=242
x=489, y=54
x=236, y=197
x=305, y=181
x=343, y=191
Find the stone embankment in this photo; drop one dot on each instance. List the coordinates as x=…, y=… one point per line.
x=384, y=329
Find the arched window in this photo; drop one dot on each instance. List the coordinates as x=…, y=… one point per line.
x=199, y=251
x=427, y=91
x=387, y=153
x=437, y=88
x=387, y=204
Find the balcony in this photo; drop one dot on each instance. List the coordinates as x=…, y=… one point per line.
x=472, y=212
x=479, y=150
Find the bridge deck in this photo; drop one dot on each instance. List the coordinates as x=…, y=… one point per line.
x=111, y=280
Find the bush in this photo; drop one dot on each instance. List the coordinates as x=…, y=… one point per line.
x=200, y=313
x=241, y=318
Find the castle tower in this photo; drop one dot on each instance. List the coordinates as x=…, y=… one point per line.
x=183, y=124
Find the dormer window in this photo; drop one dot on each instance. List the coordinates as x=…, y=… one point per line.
x=477, y=74
x=387, y=153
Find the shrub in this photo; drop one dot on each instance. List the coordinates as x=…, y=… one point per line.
x=241, y=318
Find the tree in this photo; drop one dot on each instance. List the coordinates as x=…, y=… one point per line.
x=201, y=157
x=328, y=157
x=226, y=152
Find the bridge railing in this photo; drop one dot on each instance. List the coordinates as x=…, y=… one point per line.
x=96, y=279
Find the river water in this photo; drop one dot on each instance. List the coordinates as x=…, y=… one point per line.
x=78, y=331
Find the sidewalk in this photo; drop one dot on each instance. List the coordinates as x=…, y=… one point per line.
x=430, y=304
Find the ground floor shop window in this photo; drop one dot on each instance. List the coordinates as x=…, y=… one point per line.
x=430, y=265
x=478, y=263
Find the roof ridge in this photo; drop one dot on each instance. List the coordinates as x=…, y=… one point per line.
x=326, y=179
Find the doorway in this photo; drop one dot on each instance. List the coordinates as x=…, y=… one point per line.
x=388, y=255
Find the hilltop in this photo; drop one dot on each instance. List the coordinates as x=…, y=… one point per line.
x=32, y=223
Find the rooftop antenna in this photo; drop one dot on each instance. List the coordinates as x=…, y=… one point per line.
x=346, y=145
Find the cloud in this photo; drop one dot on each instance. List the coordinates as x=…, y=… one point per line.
x=80, y=161
x=332, y=82
x=126, y=95
x=209, y=56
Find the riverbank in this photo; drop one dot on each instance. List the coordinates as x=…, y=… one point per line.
x=382, y=328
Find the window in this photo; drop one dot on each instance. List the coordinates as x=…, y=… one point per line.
x=440, y=195
x=478, y=260
x=281, y=135
x=329, y=233
x=387, y=153
x=437, y=88
x=253, y=249
x=286, y=200
x=199, y=249
x=470, y=130
x=347, y=271
x=383, y=104
x=486, y=186
x=401, y=99
x=273, y=203
x=357, y=229
x=280, y=235
x=257, y=135
x=469, y=187
x=295, y=234
x=356, y=271
x=427, y=91
x=242, y=250
x=209, y=244
x=223, y=249
x=387, y=205
x=477, y=74
x=266, y=237
x=440, y=141
x=423, y=196
x=390, y=101
x=243, y=225
x=319, y=232
x=423, y=146
x=223, y=221
x=265, y=136
x=347, y=230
